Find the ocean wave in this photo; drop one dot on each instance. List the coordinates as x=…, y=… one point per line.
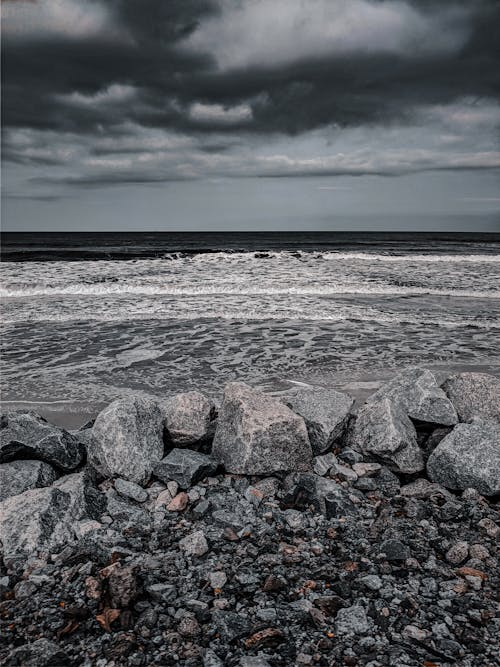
x=117, y=289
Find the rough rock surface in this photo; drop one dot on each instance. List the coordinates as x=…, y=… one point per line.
x=469, y=457
x=418, y=393
x=188, y=418
x=19, y=476
x=128, y=439
x=383, y=430
x=26, y=435
x=43, y=519
x=185, y=466
x=257, y=434
x=474, y=394
x=326, y=414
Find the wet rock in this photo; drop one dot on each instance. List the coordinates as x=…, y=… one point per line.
x=26, y=435
x=474, y=394
x=19, y=476
x=43, y=519
x=40, y=653
x=419, y=395
x=130, y=490
x=188, y=418
x=469, y=457
x=325, y=412
x=128, y=439
x=257, y=434
x=383, y=430
x=352, y=621
x=185, y=466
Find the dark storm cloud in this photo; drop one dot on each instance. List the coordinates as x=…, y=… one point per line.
x=189, y=66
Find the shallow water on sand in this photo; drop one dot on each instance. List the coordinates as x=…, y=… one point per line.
x=79, y=333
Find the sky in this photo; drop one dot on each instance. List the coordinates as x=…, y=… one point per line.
x=250, y=115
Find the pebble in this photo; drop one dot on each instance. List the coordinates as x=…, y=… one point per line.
x=131, y=490
x=457, y=553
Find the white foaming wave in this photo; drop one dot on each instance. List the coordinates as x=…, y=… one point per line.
x=80, y=289
x=414, y=257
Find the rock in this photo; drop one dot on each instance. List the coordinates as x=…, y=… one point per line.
x=188, y=418
x=26, y=435
x=322, y=464
x=211, y=659
x=371, y=581
x=179, y=503
x=257, y=434
x=383, y=430
x=194, y=544
x=394, y=550
x=42, y=519
x=39, y=653
x=366, y=469
x=217, y=579
x=325, y=412
x=325, y=495
x=419, y=395
x=185, y=466
x=19, y=476
x=130, y=490
x=457, y=553
x=128, y=439
x=469, y=457
x=352, y=621
x=122, y=584
x=230, y=625
x=474, y=394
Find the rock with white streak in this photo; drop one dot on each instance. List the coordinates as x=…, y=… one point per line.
x=257, y=434
x=419, y=395
x=326, y=414
x=128, y=439
x=20, y=476
x=383, y=430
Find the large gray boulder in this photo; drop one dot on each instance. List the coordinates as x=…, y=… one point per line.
x=188, y=418
x=19, y=476
x=469, y=457
x=418, y=393
x=128, y=439
x=383, y=430
x=326, y=414
x=27, y=435
x=257, y=434
x=185, y=466
x=43, y=519
x=474, y=395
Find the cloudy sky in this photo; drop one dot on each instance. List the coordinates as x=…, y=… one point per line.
x=251, y=114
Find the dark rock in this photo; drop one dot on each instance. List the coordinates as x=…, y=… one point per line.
x=325, y=412
x=469, y=457
x=474, y=394
x=185, y=466
x=40, y=653
x=231, y=626
x=131, y=490
x=19, y=476
x=128, y=439
x=419, y=395
x=383, y=430
x=123, y=588
x=188, y=418
x=26, y=435
x=394, y=550
x=257, y=434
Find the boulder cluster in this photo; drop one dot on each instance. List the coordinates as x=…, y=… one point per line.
x=291, y=530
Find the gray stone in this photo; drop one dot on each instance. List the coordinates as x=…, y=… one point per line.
x=43, y=519
x=39, y=653
x=253, y=661
x=383, y=430
x=394, y=550
x=128, y=439
x=474, y=394
x=188, y=418
x=131, y=490
x=324, y=494
x=185, y=466
x=194, y=544
x=322, y=464
x=230, y=625
x=371, y=581
x=211, y=659
x=457, y=553
x=325, y=412
x=352, y=621
x=19, y=476
x=469, y=457
x=26, y=435
x=418, y=393
x=257, y=434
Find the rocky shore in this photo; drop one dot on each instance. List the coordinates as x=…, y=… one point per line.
x=263, y=531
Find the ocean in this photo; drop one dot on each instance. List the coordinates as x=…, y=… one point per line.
x=89, y=317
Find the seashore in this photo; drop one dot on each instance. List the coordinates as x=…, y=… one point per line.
x=298, y=530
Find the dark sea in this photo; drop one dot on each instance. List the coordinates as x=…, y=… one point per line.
x=89, y=317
